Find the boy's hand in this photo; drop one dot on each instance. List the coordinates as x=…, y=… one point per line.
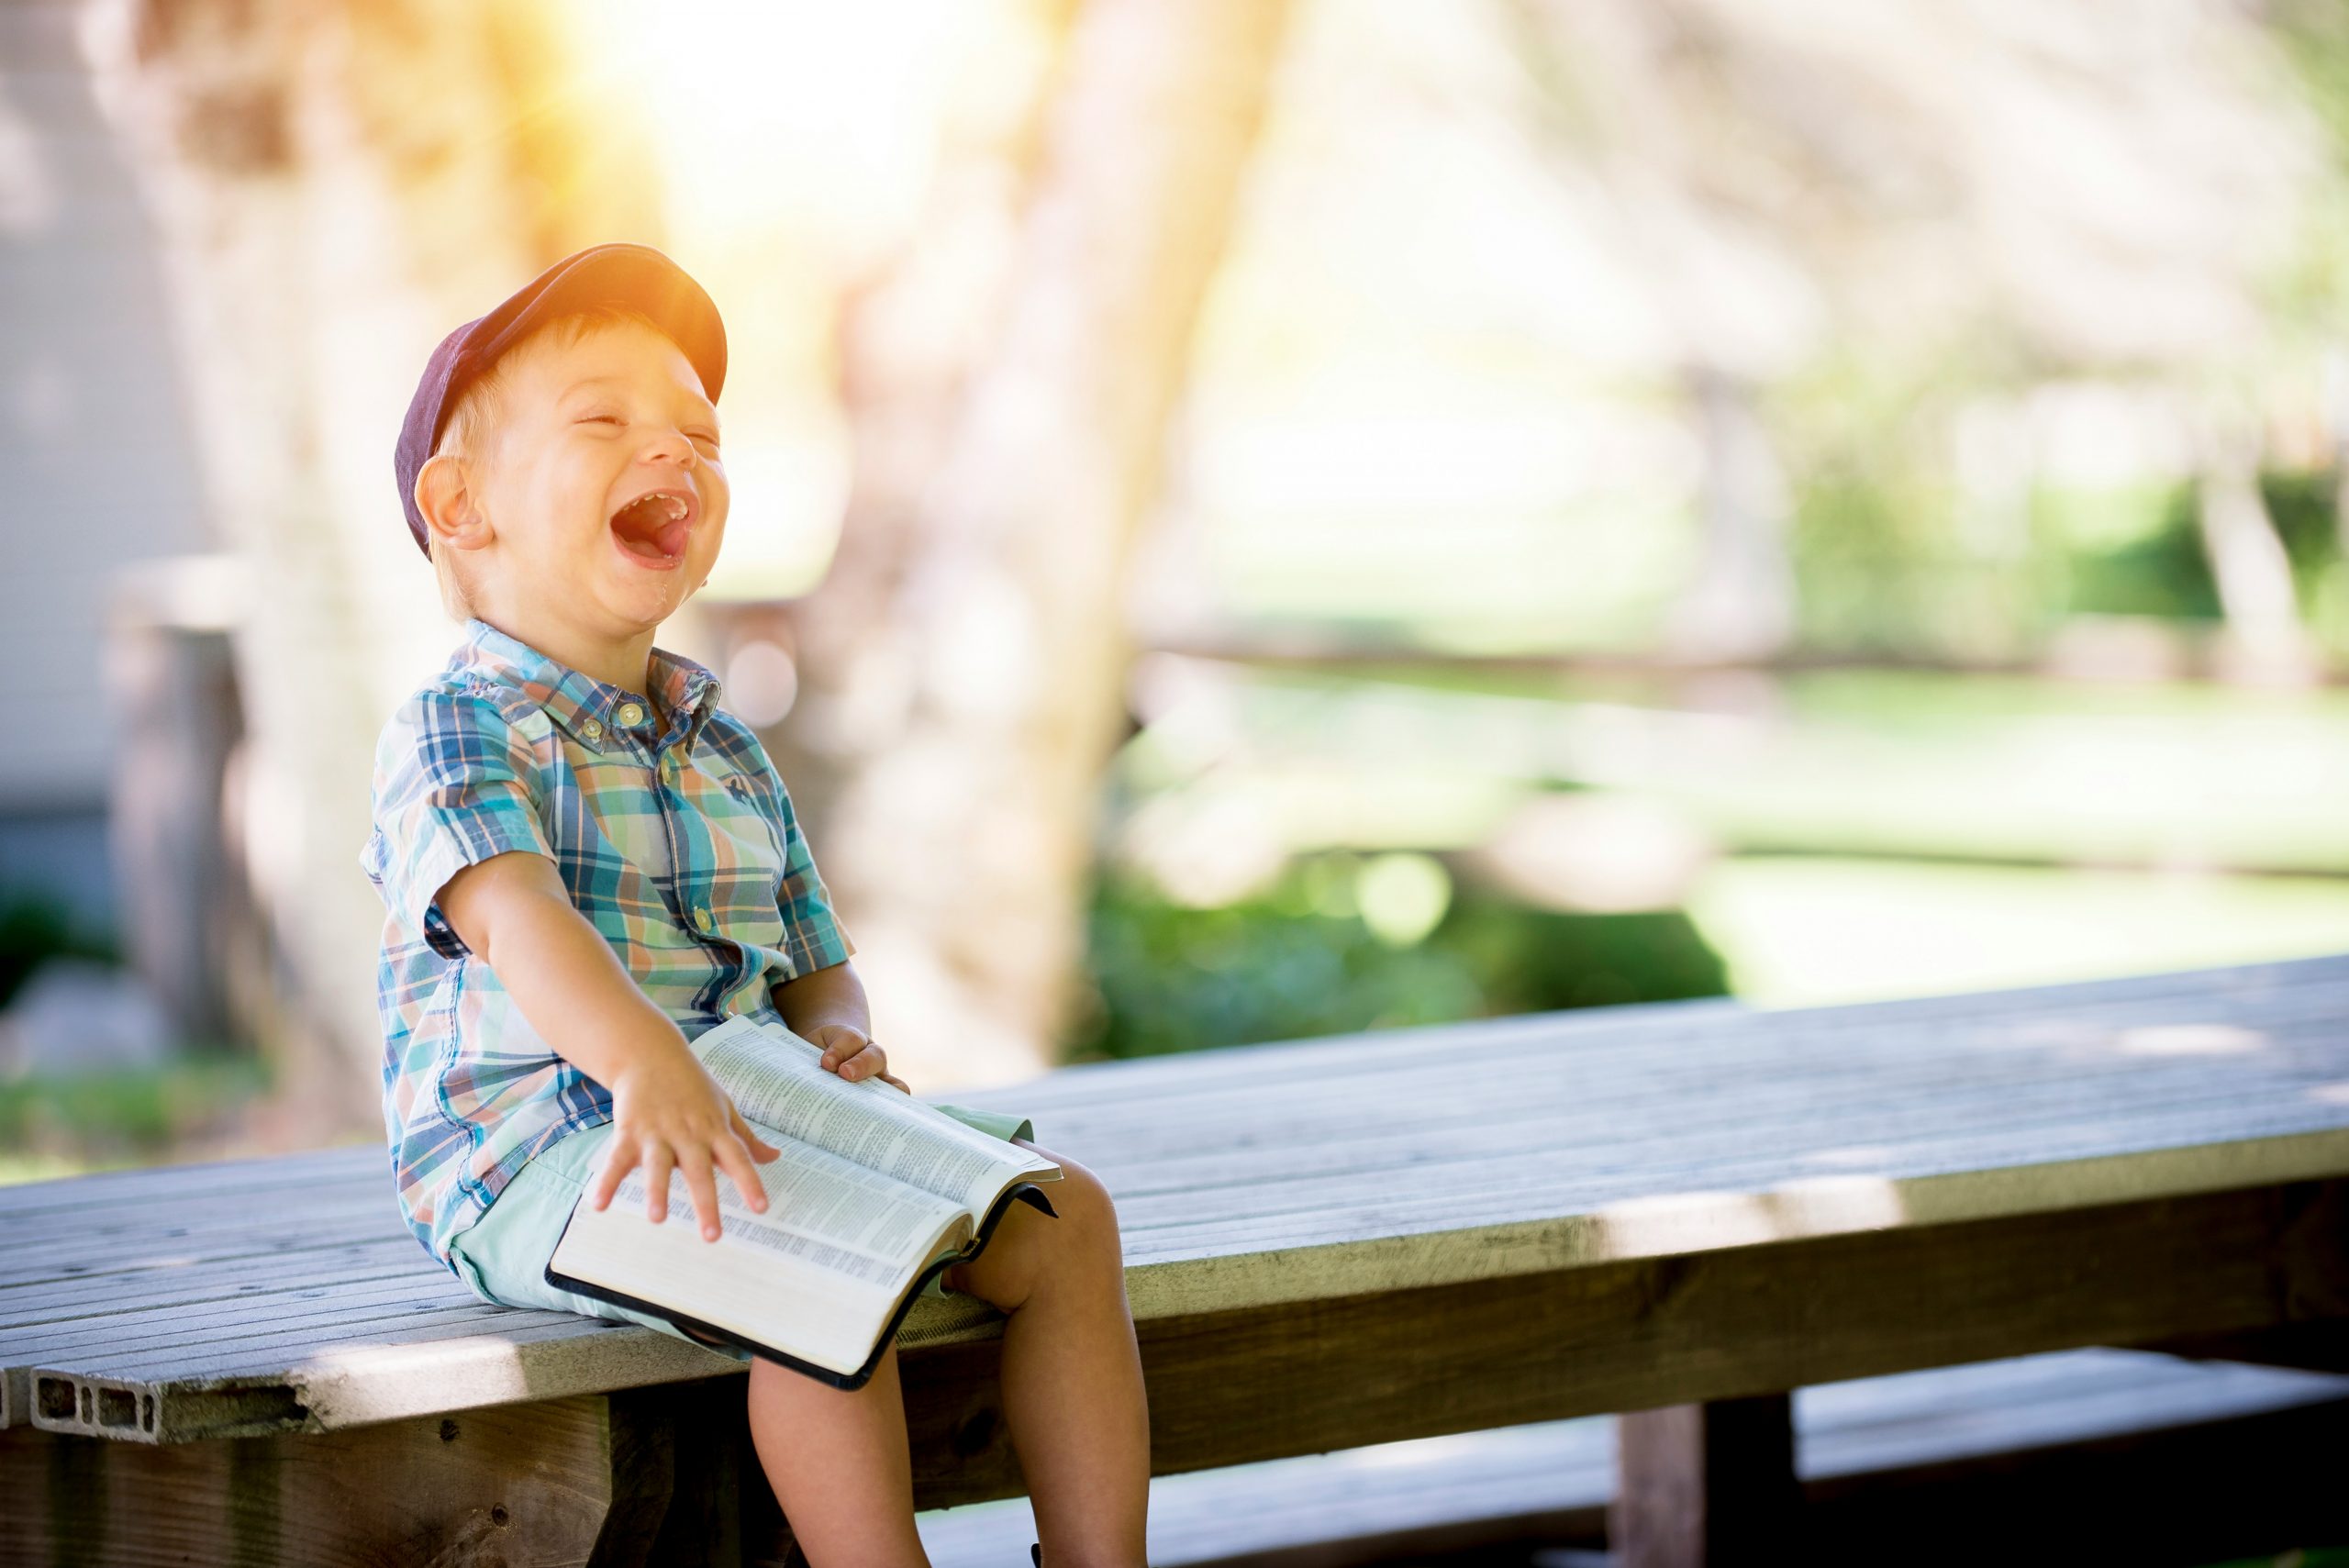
x=669, y=1113
x=851, y=1054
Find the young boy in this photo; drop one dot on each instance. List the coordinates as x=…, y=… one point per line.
x=587, y=862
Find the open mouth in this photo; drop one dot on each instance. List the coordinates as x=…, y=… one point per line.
x=652, y=528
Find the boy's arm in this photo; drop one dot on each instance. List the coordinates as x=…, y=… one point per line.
x=667, y=1111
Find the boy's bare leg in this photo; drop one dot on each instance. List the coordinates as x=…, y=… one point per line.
x=839, y=1464
x=1073, y=1392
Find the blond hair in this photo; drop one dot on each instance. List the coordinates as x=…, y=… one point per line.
x=478, y=420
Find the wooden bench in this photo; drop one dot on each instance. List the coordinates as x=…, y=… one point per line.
x=2044, y=1458
x=1683, y=1211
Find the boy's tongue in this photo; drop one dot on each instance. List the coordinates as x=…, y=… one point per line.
x=644, y=527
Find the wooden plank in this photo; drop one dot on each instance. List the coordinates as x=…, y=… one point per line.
x=1443, y=1212
x=81, y=1236
x=1227, y=1388
x=2255, y=1487
x=1170, y=1275
x=1072, y=1088
x=263, y=1176
x=1662, y=1078
x=197, y=1283
x=1666, y=1157
x=1157, y=1292
x=1572, y=1180
x=615, y=1482
x=1890, y=1029
x=1569, y=1181
x=295, y=1311
x=1668, y=1071
x=1430, y=1096
x=2307, y=1057
x=448, y=1366
x=43, y=1246
x=198, y=1270
x=1710, y=1483
x=131, y=1251
x=1944, y=1435
x=2315, y=1347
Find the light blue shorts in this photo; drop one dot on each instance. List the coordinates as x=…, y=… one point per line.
x=503, y=1254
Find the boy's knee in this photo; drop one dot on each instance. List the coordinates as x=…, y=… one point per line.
x=1084, y=1249
x=1083, y=1203
x=1081, y=1239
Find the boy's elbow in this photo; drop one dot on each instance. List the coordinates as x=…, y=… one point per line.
x=489, y=899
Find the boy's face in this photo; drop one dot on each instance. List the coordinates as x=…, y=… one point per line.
x=602, y=488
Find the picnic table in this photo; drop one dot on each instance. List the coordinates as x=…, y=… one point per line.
x=1682, y=1211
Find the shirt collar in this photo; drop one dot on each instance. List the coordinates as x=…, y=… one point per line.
x=589, y=708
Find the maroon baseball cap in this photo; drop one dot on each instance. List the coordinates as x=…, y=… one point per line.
x=635, y=276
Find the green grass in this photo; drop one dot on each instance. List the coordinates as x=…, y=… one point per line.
x=1864, y=762
x=58, y=1125
x=1301, y=960
x=1811, y=930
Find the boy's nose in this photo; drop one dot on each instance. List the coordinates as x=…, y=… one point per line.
x=675, y=447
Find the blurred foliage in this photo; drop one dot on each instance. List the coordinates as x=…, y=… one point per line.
x=1877, y=533
x=34, y=930
x=2303, y=506
x=1295, y=962
x=2314, y=34
x=2163, y=571
x=122, y=1115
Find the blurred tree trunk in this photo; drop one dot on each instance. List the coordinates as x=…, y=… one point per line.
x=1740, y=604
x=1602, y=75
x=962, y=665
x=336, y=185
x=2265, y=641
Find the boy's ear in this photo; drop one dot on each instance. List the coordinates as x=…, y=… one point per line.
x=444, y=497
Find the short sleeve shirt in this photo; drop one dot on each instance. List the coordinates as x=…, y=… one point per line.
x=674, y=837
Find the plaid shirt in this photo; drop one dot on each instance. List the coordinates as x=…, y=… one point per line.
x=677, y=842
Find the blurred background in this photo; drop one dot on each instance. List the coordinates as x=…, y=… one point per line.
x=1251, y=519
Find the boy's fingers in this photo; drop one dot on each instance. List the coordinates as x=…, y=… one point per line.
x=761, y=1150
x=619, y=1159
x=658, y=1163
x=735, y=1158
x=704, y=1188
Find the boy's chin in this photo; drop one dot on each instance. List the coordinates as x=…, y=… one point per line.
x=649, y=598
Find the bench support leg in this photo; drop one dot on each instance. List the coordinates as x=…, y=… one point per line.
x=676, y=1456
x=1704, y=1485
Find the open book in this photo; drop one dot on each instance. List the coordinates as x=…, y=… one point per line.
x=874, y=1193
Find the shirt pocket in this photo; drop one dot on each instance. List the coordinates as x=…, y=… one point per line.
x=622, y=867
x=746, y=882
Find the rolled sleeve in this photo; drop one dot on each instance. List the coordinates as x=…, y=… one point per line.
x=456, y=784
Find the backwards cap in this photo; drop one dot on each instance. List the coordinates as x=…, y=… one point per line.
x=635, y=276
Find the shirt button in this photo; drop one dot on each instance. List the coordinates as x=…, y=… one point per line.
x=701, y=918
x=593, y=730
x=630, y=715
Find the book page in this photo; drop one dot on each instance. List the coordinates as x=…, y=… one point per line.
x=817, y=1275
x=775, y=1080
